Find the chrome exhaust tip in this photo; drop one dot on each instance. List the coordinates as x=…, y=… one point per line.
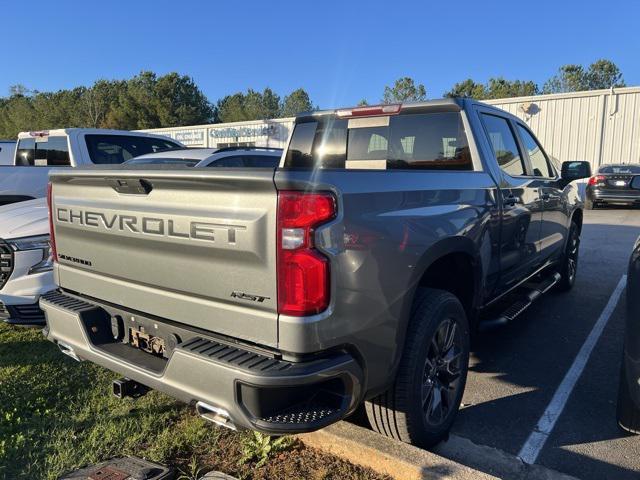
x=68, y=350
x=217, y=415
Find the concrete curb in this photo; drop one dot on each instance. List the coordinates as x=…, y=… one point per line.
x=458, y=458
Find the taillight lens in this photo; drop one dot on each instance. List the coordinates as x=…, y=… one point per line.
x=52, y=235
x=303, y=272
x=596, y=179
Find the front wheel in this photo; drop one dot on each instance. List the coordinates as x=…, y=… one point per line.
x=423, y=401
x=569, y=263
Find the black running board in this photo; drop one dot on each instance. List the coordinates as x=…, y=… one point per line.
x=519, y=302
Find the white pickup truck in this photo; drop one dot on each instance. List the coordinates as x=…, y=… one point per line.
x=7, y=150
x=38, y=152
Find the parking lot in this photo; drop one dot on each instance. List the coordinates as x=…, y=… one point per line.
x=516, y=371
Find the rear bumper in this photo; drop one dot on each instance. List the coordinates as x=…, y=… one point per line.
x=254, y=388
x=613, y=197
x=23, y=314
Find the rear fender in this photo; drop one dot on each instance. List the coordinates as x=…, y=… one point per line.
x=437, y=251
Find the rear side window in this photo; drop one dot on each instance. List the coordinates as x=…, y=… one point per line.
x=539, y=161
x=505, y=147
x=43, y=151
x=429, y=141
x=116, y=149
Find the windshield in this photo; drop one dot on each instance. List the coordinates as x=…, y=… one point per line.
x=620, y=169
x=187, y=162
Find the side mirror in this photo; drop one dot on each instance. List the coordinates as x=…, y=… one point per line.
x=575, y=171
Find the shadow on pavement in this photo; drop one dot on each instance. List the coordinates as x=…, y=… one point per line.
x=516, y=369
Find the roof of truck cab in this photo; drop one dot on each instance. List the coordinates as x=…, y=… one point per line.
x=441, y=104
x=91, y=131
x=454, y=103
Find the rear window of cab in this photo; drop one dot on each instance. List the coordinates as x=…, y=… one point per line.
x=425, y=141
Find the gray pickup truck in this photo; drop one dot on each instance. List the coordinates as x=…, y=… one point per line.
x=281, y=299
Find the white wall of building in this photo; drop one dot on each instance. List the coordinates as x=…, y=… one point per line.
x=601, y=126
x=259, y=133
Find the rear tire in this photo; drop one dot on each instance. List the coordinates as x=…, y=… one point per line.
x=569, y=265
x=627, y=413
x=421, y=405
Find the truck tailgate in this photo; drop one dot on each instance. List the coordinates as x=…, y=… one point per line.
x=193, y=246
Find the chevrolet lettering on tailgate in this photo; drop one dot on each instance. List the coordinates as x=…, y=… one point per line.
x=211, y=232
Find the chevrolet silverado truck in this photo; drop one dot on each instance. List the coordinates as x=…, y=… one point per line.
x=281, y=299
x=26, y=177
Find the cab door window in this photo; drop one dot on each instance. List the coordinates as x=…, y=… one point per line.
x=539, y=161
x=505, y=146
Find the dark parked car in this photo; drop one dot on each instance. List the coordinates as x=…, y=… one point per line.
x=618, y=184
x=629, y=391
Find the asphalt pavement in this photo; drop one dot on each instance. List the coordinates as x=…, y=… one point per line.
x=516, y=371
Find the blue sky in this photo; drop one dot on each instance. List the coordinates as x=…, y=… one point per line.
x=339, y=51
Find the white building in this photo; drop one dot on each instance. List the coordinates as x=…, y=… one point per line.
x=601, y=126
x=256, y=133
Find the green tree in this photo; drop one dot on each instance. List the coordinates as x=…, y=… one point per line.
x=495, y=88
x=97, y=101
x=144, y=101
x=17, y=114
x=296, y=102
x=501, y=88
x=148, y=101
x=134, y=107
x=255, y=105
x=570, y=78
x=261, y=106
x=604, y=74
x=404, y=90
x=179, y=101
x=574, y=78
x=363, y=103
x=231, y=108
x=468, y=89
x=19, y=90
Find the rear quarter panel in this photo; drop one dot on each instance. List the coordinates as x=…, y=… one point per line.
x=390, y=227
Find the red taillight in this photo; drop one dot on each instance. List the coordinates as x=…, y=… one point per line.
x=303, y=272
x=596, y=179
x=52, y=236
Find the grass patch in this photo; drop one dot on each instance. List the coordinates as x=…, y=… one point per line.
x=57, y=415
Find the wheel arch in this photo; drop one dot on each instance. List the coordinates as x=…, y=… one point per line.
x=463, y=255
